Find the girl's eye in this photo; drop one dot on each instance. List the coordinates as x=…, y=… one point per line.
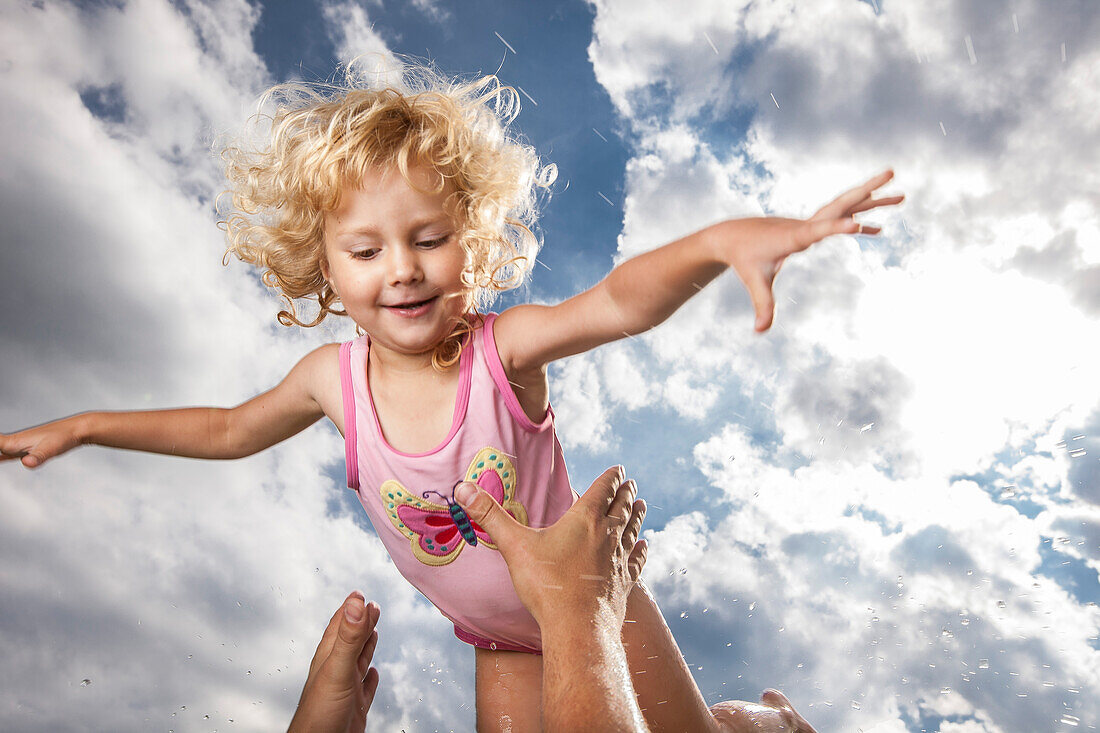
x=365, y=254
x=433, y=243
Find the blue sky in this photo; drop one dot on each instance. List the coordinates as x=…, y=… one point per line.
x=888, y=506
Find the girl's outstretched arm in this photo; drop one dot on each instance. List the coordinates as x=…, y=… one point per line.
x=197, y=432
x=645, y=290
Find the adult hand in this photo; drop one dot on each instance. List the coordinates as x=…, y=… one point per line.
x=341, y=683
x=574, y=577
x=583, y=565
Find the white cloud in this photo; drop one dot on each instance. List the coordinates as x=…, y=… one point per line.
x=959, y=344
x=354, y=35
x=179, y=589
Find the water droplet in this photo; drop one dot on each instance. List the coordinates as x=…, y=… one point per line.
x=905, y=680
x=683, y=614
x=705, y=610
x=85, y=682
x=855, y=705
x=866, y=427
x=206, y=717
x=683, y=571
x=1008, y=492
x=946, y=633
x=316, y=570
x=965, y=621
x=1001, y=604
x=752, y=606
x=945, y=690
x=1070, y=720
x=1078, y=453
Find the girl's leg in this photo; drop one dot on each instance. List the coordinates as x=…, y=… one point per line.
x=667, y=694
x=509, y=691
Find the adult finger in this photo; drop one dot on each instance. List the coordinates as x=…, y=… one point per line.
x=623, y=501
x=634, y=524
x=324, y=647
x=365, y=656
x=351, y=636
x=602, y=492
x=370, y=686
x=636, y=560
x=486, y=512
x=776, y=699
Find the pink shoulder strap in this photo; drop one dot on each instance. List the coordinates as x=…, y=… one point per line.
x=351, y=445
x=500, y=377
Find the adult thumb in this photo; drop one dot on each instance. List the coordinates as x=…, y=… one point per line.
x=356, y=625
x=484, y=511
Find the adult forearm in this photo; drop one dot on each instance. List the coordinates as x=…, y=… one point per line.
x=586, y=680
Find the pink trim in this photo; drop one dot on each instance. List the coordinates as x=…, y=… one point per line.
x=500, y=379
x=500, y=646
x=351, y=445
x=462, y=400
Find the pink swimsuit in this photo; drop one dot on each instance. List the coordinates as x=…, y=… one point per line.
x=407, y=496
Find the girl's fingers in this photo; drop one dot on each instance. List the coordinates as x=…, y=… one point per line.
x=847, y=201
x=816, y=230
x=867, y=229
x=871, y=203
x=763, y=302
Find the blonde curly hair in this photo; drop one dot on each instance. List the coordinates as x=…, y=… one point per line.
x=322, y=138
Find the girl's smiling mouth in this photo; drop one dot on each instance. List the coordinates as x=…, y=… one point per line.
x=412, y=309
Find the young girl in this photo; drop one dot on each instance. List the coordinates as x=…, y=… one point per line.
x=407, y=209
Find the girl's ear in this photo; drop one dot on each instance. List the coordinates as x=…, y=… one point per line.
x=325, y=272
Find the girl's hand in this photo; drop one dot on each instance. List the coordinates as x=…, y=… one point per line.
x=756, y=248
x=37, y=445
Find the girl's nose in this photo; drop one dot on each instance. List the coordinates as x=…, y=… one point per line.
x=405, y=266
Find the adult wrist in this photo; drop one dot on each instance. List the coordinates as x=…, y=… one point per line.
x=571, y=624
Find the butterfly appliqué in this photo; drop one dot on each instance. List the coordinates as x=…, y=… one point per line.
x=433, y=532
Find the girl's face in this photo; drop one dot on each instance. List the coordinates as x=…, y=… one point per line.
x=392, y=254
